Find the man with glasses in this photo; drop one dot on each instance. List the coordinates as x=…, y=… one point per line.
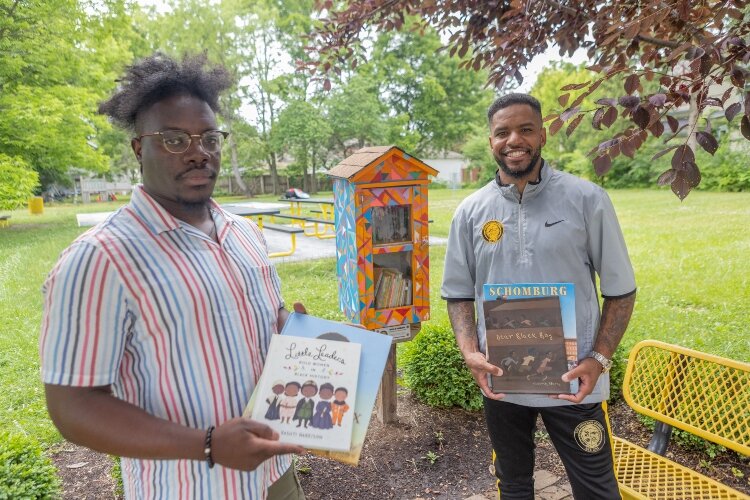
x=157, y=322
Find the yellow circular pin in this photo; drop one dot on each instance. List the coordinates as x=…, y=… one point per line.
x=492, y=231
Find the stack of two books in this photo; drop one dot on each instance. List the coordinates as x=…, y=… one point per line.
x=319, y=385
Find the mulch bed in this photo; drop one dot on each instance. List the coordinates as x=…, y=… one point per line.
x=431, y=453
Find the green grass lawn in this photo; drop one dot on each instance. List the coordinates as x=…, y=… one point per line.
x=690, y=260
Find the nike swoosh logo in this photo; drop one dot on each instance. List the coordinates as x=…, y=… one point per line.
x=547, y=224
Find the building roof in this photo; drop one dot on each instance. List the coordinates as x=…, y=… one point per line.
x=364, y=157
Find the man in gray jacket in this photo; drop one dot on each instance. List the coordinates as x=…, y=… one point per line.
x=536, y=224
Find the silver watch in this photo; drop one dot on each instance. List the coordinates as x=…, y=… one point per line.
x=603, y=360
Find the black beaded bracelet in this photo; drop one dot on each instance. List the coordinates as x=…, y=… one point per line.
x=207, y=448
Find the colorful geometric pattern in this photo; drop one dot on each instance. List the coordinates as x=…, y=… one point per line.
x=355, y=251
x=394, y=167
x=346, y=248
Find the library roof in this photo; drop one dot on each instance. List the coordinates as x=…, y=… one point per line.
x=364, y=157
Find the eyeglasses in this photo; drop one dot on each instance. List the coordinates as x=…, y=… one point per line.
x=179, y=141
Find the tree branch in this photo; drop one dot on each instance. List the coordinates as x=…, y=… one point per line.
x=657, y=42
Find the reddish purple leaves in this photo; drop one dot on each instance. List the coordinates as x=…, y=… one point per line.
x=684, y=174
x=707, y=142
x=602, y=164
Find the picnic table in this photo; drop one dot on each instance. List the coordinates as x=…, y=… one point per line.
x=254, y=210
x=324, y=204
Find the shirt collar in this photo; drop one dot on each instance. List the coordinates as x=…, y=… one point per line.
x=159, y=220
x=537, y=181
x=531, y=189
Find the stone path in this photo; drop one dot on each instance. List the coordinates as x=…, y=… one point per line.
x=547, y=486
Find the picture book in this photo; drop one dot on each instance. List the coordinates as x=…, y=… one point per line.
x=531, y=336
x=375, y=348
x=307, y=391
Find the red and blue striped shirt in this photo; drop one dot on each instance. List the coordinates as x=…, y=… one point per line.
x=178, y=324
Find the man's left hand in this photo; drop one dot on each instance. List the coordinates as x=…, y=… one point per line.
x=587, y=372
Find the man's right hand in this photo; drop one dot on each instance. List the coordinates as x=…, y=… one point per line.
x=480, y=367
x=242, y=443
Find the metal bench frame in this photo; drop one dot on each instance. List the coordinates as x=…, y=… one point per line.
x=700, y=393
x=291, y=231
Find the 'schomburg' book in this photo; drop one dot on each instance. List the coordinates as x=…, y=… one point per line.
x=531, y=336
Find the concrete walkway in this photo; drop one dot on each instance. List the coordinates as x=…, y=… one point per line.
x=547, y=486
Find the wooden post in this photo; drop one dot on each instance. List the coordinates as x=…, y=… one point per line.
x=387, y=394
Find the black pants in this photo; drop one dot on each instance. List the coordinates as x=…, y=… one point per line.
x=580, y=434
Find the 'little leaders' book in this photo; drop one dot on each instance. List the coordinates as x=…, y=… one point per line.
x=375, y=350
x=307, y=391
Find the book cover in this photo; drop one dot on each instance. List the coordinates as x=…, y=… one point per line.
x=307, y=391
x=531, y=335
x=375, y=348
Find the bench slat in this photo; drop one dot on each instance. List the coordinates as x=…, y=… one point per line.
x=320, y=221
x=290, y=217
x=282, y=228
x=647, y=475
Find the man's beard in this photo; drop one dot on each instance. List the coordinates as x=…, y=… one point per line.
x=519, y=174
x=193, y=206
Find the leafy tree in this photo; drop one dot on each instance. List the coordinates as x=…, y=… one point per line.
x=356, y=114
x=54, y=69
x=477, y=150
x=688, y=47
x=17, y=182
x=304, y=132
x=433, y=106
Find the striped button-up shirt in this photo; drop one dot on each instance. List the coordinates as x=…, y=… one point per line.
x=178, y=324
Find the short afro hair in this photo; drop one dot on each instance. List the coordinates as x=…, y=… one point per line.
x=159, y=77
x=510, y=100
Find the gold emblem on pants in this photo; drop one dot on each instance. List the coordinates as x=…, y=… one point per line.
x=590, y=436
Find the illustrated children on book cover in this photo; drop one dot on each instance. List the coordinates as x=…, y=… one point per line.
x=322, y=418
x=274, y=401
x=531, y=336
x=301, y=366
x=350, y=402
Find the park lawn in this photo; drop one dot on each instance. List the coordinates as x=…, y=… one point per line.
x=689, y=258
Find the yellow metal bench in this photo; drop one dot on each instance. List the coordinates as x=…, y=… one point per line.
x=290, y=230
x=4, y=220
x=706, y=395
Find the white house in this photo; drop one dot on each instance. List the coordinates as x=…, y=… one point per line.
x=450, y=166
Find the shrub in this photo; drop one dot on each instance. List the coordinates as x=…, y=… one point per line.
x=434, y=370
x=617, y=373
x=24, y=470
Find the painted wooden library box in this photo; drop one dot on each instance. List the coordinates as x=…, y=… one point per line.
x=382, y=239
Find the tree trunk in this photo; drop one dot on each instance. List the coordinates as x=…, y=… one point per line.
x=314, y=179
x=274, y=172
x=241, y=185
x=693, y=118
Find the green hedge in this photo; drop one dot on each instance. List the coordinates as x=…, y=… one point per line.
x=434, y=370
x=25, y=472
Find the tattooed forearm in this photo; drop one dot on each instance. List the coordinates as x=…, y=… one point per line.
x=463, y=322
x=615, y=317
